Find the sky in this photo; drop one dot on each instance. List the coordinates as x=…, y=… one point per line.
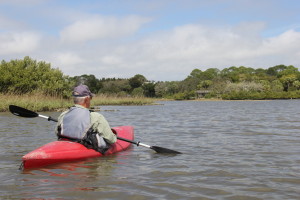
x=164, y=40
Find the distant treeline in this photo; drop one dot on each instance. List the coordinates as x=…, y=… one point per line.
x=278, y=82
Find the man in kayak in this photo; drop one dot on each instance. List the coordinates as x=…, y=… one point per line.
x=85, y=126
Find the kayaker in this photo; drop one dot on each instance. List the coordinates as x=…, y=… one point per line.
x=85, y=126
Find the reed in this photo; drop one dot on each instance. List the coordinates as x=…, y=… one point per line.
x=40, y=102
x=102, y=99
x=35, y=102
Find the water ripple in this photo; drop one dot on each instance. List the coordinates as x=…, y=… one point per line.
x=232, y=150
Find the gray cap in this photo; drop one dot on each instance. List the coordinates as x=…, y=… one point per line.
x=82, y=91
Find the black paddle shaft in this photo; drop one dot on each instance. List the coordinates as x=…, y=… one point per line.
x=155, y=148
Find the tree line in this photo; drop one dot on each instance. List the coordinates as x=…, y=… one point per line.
x=278, y=82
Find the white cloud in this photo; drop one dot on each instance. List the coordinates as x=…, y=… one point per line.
x=99, y=27
x=287, y=42
x=18, y=42
x=68, y=59
x=167, y=55
x=111, y=60
x=207, y=44
x=79, y=40
x=172, y=55
x=8, y=24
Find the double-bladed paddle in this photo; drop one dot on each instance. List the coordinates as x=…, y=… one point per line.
x=22, y=112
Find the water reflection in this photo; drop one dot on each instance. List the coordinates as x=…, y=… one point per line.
x=72, y=177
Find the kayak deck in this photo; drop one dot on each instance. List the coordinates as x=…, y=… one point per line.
x=66, y=151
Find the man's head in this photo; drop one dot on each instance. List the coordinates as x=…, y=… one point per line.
x=82, y=91
x=82, y=95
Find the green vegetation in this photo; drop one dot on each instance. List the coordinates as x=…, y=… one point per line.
x=236, y=83
x=29, y=76
x=37, y=86
x=233, y=83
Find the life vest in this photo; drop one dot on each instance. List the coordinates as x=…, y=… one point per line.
x=76, y=126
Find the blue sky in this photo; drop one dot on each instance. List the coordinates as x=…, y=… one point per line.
x=164, y=40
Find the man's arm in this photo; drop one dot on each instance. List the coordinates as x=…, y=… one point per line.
x=102, y=127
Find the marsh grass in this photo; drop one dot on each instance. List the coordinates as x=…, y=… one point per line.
x=40, y=102
x=35, y=102
x=103, y=99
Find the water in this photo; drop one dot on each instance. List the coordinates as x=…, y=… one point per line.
x=231, y=150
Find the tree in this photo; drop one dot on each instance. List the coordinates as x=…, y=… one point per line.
x=287, y=81
x=195, y=73
x=138, y=92
x=276, y=86
x=168, y=88
x=90, y=80
x=289, y=70
x=149, y=89
x=297, y=84
x=205, y=84
x=160, y=89
x=191, y=82
x=230, y=74
x=209, y=74
x=137, y=81
x=274, y=71
x=27, y=75
x=115, y=86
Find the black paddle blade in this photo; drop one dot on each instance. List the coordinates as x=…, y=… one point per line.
x=164, y=150
x=22, y=112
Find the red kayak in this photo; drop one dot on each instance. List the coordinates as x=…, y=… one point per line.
x=66, y=151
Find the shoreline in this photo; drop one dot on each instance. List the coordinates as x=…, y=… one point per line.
x=242, y=99
x=43, y=103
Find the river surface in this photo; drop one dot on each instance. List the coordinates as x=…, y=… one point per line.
x=232, y=150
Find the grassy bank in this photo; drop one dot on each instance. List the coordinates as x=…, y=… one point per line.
x=38, y=102
x=115, y=100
